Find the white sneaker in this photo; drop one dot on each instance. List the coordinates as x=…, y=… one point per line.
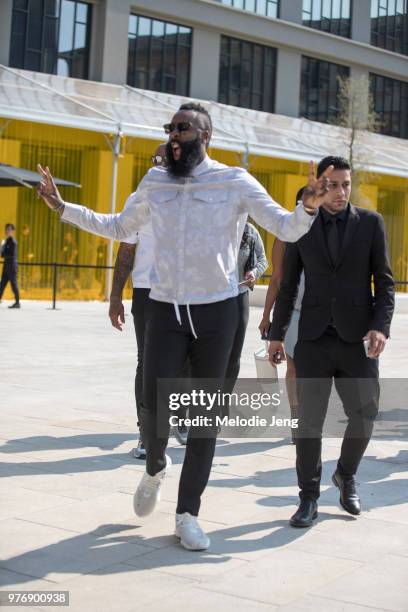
x=148, y=491
x=190, y=533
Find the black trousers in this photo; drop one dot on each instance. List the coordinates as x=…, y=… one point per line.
x=140, y=312
x=9, y=274
x=318, y=363
x=235, y=357
x=167, y=347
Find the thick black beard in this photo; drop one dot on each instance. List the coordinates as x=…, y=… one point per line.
x=190, y=157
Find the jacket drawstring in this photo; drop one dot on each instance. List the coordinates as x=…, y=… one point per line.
x=190, y=320
x=177, y=309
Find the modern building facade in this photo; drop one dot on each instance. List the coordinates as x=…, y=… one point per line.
x=276, y=56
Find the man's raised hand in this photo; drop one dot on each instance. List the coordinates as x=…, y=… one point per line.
x=315, y=191
x=48, y=191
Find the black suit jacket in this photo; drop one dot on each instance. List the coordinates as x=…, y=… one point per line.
x=340, y=294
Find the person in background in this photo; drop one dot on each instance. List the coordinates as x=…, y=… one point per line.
x=252, y=263
x=8, y=251
x=278, y=254
x=138, y=262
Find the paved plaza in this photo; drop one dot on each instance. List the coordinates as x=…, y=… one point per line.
x=66, y=517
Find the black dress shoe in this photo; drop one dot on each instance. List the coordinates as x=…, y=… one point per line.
x=305, y=514
x=349, y=499
x=16, y=305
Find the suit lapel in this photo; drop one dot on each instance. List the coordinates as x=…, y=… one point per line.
x=351, y=226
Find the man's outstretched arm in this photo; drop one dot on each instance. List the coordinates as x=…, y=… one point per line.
x=285, y=225
x=120, y=226
x=123, y=267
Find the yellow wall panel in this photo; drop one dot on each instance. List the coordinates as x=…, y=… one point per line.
x=9, y=154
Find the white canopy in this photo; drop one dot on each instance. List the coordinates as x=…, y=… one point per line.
x=106, y=108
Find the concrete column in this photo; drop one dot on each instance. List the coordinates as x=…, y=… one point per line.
x=291, y=10
x=6, y=8
x=288, y=83
x=109, y=50
x=205, y=64
x=360, y=20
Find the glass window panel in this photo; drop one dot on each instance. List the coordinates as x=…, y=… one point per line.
x=66, y=33
x=261, y=7
x=272, y=9
x=34, y=37
x=50, y=33
x=33, y=61
x=80, y=36
x=336, y=9
x=250, y=5
x=326, y=9
x=238, y=4
x=17, y=40
x=246, y=51
x=307, y=6
x=62, y=67
x=170, y=29
x=132, y=25
x=345, y=9
x=159, y=57
x=374, y=8
x=316, y=12
x=243, y=72
x=144, y=26
x=158, y=28
x=82, y=12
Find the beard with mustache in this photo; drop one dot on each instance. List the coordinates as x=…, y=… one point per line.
x=191, y=154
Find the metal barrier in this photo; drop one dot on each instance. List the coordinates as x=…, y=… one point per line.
x=56, y=266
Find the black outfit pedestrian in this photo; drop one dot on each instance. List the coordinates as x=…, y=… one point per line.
x=10, y=268
x=340, y=256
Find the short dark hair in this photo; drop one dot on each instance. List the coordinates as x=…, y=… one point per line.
x=339, y=163
x=11, y=226
x=199, y=108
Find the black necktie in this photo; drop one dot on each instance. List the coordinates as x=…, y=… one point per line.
x=333, y=240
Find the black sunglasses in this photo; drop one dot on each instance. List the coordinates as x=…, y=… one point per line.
x=181, y=126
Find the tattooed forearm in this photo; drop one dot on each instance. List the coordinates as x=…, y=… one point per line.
x=123, y=267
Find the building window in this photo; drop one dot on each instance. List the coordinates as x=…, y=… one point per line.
x=159, y=55
x=332, y=16
x=391, y=103
x=247, y=74
x=319, y=89
x=269, y=8
x=389, y=25
x=51, y=36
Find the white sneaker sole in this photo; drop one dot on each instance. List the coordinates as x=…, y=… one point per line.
x=193, y=548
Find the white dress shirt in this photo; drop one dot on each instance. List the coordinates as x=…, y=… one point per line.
x=196, y=223
x=144, y=256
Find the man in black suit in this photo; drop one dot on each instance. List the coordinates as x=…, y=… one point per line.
x=344, y=251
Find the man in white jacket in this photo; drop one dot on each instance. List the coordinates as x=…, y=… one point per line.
x=194, y=206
